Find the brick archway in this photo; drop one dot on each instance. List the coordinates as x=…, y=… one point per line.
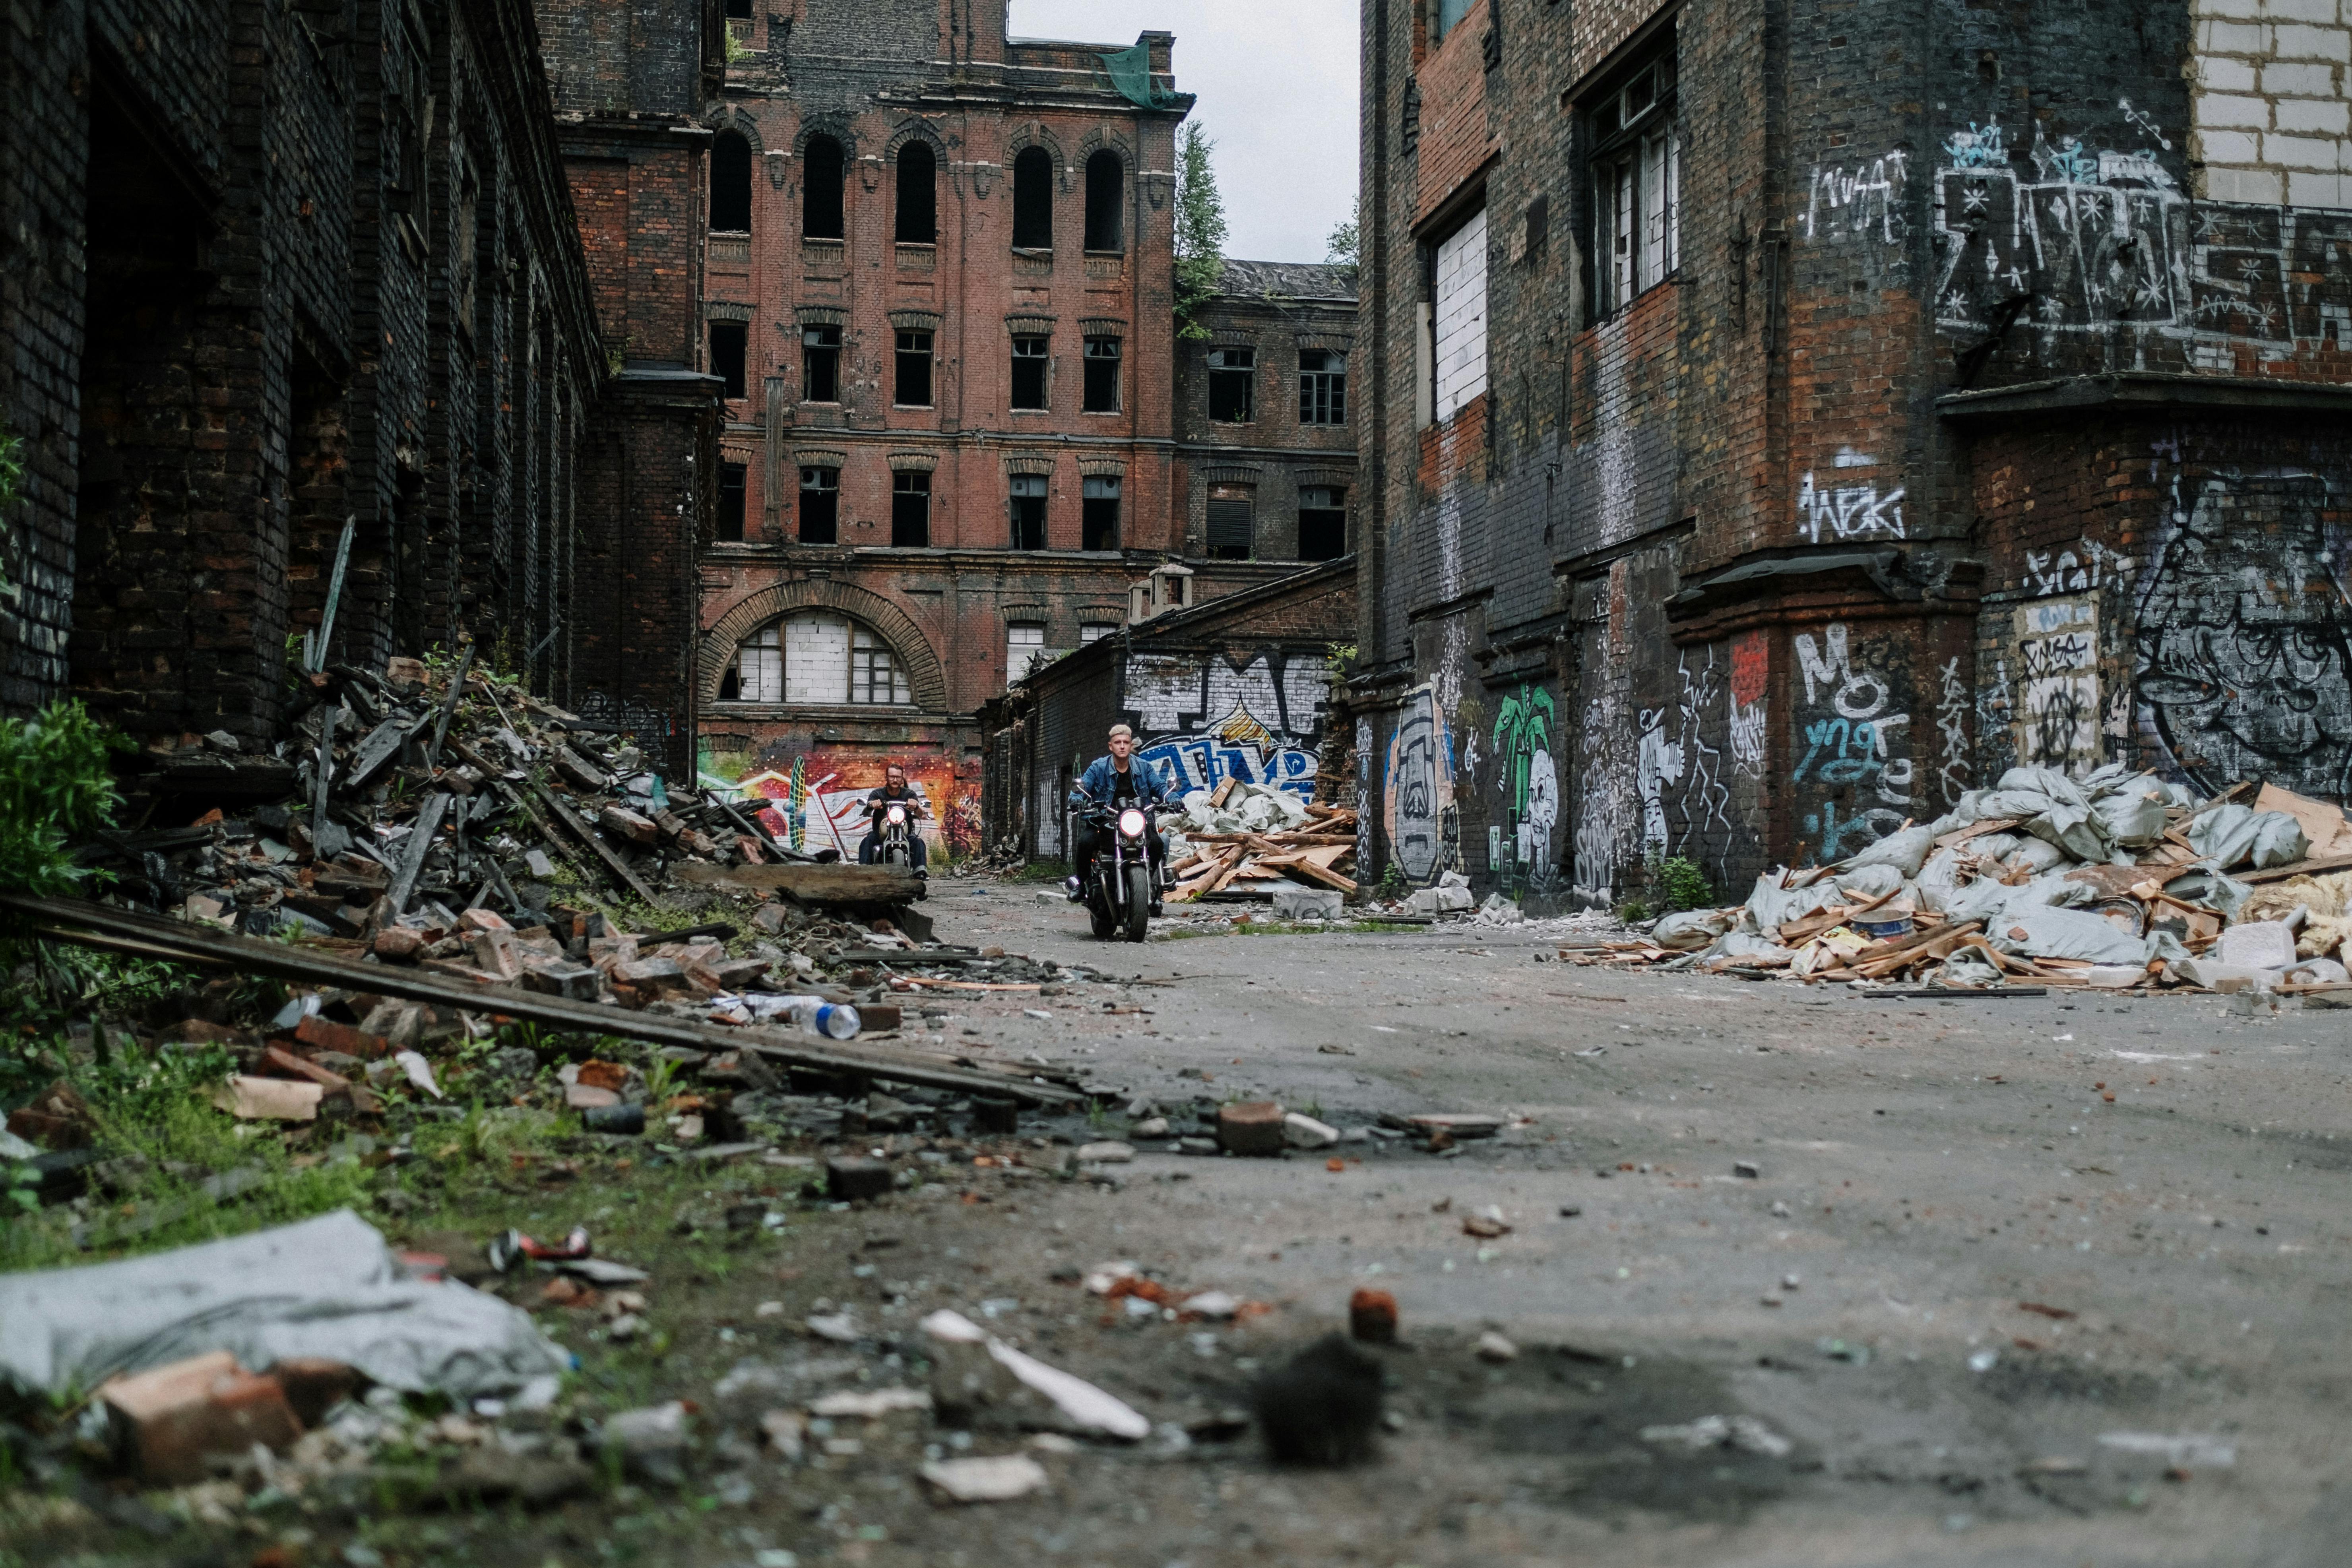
x=907, y=644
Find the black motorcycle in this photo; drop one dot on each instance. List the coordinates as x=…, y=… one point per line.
x=1118, y=888
x=897, y=829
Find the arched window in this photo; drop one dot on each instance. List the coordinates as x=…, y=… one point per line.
x=919, y=194
x=1033, y=199
x=821, y=189
x=1106, y=192
x=819, y=659
x=730, y=184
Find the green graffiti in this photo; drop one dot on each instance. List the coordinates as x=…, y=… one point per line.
x=1522, y=728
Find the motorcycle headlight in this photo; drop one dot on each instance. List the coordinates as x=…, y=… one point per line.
x=1130, y=822
x=898, y=816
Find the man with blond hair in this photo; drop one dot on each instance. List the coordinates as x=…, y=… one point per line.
x=1118, y=781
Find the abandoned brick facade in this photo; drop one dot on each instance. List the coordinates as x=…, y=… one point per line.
x=263, y=269
x=1891, y=397
x=1238, y=686
x=959, y=424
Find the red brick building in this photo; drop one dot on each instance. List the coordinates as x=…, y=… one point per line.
x=941, y=293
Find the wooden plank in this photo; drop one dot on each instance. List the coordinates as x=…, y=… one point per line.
x=412, y=854
x=1329, y=879
x=380, y=746
x=845, y=883
x=2300, y=869
x=1961, y=835
x=449, y=705
x=71, y=919
x=604, y=851
x=926, y=983
x=1222, y=792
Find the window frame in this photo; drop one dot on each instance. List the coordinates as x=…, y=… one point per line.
x=902, y=189
x=1097, y=491
x=712, y=215
x=1225, y=376
x=907, y=482
x=1246, y=497
x=1012, y=642
x=1323, y=392
x=928, y=368
x=839, y=176
x=1633, y=166
x=1439, y=27
x=1019, y=488
x=1094, y=357
x=730, y=522
x=832, y=492
x=1027, y=216
x=1333, y=503
x=1044, y=361
x=732, y=364
x=1111, y=192
x=814, y=343
x=867, y=651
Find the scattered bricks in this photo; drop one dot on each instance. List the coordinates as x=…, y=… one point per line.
x=1306, y=1132
x=171, y=1420
x=669, y=824
x=269, y=1099
x=850, y=1179
x=202, y=1032
x=315, y=1385
x=495, y=952
x=1372, y=1317
x=588, y=1097
x=399, y=943
x=992, y=1115
x=603, y=1075
x=57, y=1119
x=536, y=862
x=627, y=824
x=650, y=976
x=607, y=951
x=574, y=982
x=875, y=1017
x=284, y=1063
x=734, y=974
x=475, y=920
x=1252, y=1127
x=401, y=670
x=771, y=918
x=578, y=771
x=749, y=847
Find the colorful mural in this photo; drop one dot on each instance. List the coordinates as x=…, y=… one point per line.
x=817, y=801
x=1417, y=804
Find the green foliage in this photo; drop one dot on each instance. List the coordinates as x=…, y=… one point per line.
x=1200, y=232
x=1344, y=246
x=1631, y=911
x=1393, y=881
x=1681, y=885
x=54, y=788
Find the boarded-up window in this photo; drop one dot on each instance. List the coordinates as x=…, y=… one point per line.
x=816, y=659
x=1460, y=318
x=1233, y=513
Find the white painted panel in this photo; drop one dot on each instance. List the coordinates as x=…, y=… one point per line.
x=816, y=659
x=1462, y=316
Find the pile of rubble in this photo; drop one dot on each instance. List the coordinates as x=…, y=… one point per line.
x=2111, y=880
x=1246, y=836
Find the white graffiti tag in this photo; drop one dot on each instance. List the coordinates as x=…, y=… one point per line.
x=1848, y=511
x=1862, y=200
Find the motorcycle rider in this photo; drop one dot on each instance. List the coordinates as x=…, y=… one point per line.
x=1118, y=781
x=894, y=790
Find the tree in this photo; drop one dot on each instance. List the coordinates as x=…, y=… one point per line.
x=1200, y=231
x=1344, y=246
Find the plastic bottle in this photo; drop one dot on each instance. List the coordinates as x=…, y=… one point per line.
x=829, y=1020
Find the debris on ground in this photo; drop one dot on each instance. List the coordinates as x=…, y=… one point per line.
x=1322, y=1406
x=2114, y=881
x=1245, y=836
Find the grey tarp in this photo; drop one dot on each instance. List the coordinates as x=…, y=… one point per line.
x=326, y=1287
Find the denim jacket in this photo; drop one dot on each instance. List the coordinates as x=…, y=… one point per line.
x=1152, y=787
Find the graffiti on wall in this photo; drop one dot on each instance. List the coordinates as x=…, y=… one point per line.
x=1854, y=772
x=2057, y=650
x=2245, y=635
x=1520, y=849
x=1417, y=800
x=1953, y=772
x=1836, y=511
x=2084, y=569
x=1751, y=669
x=1205, y=718
x=816, y=800
x=1860, y=201
x=1364, y=793
x=2105, y=242
x=1705, y=797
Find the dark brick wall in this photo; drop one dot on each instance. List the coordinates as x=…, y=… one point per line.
x=1770, y=492
x=222, y=343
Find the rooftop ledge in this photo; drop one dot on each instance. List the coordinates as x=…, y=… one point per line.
x=2127, y=390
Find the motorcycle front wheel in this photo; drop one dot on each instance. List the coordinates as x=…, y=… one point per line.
x=1098, y=911
x=1138, y=901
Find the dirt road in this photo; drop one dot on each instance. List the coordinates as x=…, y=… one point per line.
x=2022, y=1282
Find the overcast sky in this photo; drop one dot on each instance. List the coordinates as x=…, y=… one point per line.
x=1277, y=83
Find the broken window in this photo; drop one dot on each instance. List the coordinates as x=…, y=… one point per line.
x=1106, y=191
x=820, y=505
x=1233, y=385
x=919, y=194
x=1098, y=512
x=875, y=673
x=914, y=386
x=729, y=526
x=1028, y=512
x=1636, y=178
x=821, y=189
x=815, y=658
x=726, y=354
x=910, y=510
x=1458, y=320
x=1024, y=649
x=1102, y=377
x=820, y=365
x=730, y=184
x=1322, y=387
x=1322, y=523
x=1232, y=521
x=1445, y=16
x=1033, y=199
x=1029, y=373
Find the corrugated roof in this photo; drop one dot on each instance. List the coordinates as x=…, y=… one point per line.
x=1292, y=280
